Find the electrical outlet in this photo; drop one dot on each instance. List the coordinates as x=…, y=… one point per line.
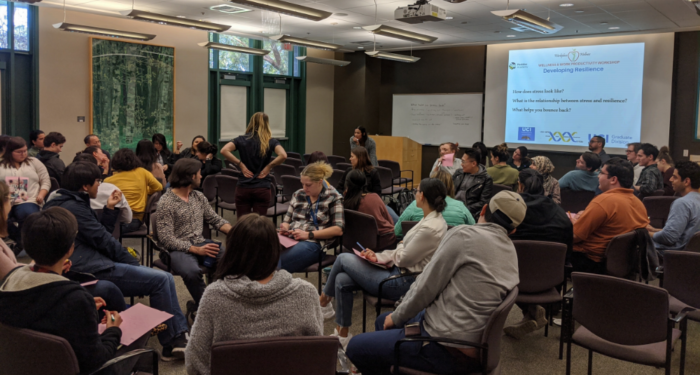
x=685, y=153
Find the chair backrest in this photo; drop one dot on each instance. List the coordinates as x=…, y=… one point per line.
x=209, y=187
x=658, y=209
x=296, y=163
x=27, y=352
x=407, y=225
x=313, y=355
x=497, y=188
x=227, y=188
x=681, y=276
x=619, y=254
x=335, y=178
x=658, y=193
x=540, y=265
x=621, y=311
x=306, y=158
x=575, y=201
x=394, y=166
x=342, y=166
x=694, y=243
x=290, y=185
x=54, y=185
x=284, y=170
x=494, y=330
x=385, y=177
x=335, y=159
x=295, y=155
x=151, y=206
x=360, y=228
x=231, y=172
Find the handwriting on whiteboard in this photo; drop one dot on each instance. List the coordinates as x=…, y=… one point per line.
x=425, y=114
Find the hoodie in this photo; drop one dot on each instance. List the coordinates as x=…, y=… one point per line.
x=49, y=303
x=53, y=163
x=473, y=189
x=241, y=309
x=546, y=221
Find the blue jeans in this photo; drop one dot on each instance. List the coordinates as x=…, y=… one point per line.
x=393, y=214
x=133, y=226
x=187, y=266
x=373, y=352
x=19, y=213
x=136, y=281
x=110, y=293
x=300, y=256
x=351, y=273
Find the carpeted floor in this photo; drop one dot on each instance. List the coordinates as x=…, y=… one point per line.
x=534, y=354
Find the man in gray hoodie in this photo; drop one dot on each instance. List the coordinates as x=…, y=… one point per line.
x=469, y=276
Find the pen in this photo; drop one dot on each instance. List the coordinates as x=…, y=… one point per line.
x=112, y=315
x=361, y=247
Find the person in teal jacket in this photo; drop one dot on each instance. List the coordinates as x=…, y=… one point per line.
x=456, y=213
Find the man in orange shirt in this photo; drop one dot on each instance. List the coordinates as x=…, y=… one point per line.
x=617, y=211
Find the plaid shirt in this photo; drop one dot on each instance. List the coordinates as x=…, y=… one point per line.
x=330, y=211
x=650, y=180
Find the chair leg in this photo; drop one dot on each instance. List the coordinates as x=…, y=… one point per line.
x=590, y=362
x=132, y=301
x=684, y=329
x=364, y=315
x=319, y=279
x=568, y=358
x=548, y=314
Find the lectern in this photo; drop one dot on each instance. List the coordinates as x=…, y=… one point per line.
x=407, y=152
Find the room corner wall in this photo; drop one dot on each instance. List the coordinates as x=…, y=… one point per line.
x=320, y=91
x=64, y=81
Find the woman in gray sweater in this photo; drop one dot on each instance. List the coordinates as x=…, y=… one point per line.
x=249, y=298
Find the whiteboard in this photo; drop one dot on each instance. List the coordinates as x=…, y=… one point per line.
x=276, y=110
x=234, y=103
x=432, y=119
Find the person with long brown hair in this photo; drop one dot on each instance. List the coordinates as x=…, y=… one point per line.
x=359, y=158
x=360, y=139
x=29, y=184
x=255, y=148
x=501, y=172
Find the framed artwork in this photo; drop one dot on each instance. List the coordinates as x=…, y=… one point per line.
x=132, y=92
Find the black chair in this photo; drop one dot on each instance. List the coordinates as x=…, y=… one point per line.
x=694, y=243
x=276, y=208
x=619, y=256
x=342, y=166
x=681, y=280
x=396, y=172
x=296, y=163
x=232, y=172
x=387, y=182
x=575, y=201
x=335, y=159
x=324, y=260
x=334, y=179
x=209, y=189
x=226, y=193
x=54, y=185
x=145, y=229
x=306, y=158
x=295, y=155
x=658, y=209
x=284, y=170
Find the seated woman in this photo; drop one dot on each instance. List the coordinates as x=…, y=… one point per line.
x=315, y=214
x=189, y=152
x=351, y=273
x=456, y=213
x=545, y=220
x=501, y=172
x=543, y=165
x=29, y=184
x=520, y=160
x=206, y=153
x=135, y=182
x=249, y=299
x=146, y=152
x=359, y=158
x=447, y=149
x=163, y=155
x=358, y=199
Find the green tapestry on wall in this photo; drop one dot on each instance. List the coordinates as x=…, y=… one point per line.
x=133, y=92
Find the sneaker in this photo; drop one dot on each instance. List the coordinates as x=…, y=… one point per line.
x=167, y=354
x=541, y=317
x=521, y=329
x=343, y=340
x=175, y=351
x=328, y=312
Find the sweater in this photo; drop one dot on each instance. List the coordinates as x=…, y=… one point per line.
x=455, y=214
x=49, y=303
x=26, y=181
x=467, y=279
x=8, y=261
x=683, y=222
x=419, y=244
x=241, y=309
x=579, y=180
x=136, y=185
x=610, y=214
x=372, y=204
x=504, y=175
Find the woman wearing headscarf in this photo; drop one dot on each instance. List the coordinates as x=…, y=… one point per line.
x=543, y=165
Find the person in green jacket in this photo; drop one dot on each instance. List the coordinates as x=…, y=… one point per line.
x=456, y=213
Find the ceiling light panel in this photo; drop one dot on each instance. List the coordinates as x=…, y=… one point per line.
x=392, y=56
x=286, y=8
x=305, y=42
x=317, y=60
x=83, y=29
x=163, y=19
x=394, y=32
x=528, y=21
x=230, y=48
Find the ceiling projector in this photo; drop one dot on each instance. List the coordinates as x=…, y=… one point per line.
x=420, y=12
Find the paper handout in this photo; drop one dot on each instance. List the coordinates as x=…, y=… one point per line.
x=448, y=160
x=137, y=321
x=287, y=242
x=382, y=265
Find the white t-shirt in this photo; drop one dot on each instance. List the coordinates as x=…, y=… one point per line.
x=99, y=203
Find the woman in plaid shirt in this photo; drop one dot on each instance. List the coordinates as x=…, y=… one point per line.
x=315, y=214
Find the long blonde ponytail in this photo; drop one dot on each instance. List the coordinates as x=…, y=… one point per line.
x=260, y=124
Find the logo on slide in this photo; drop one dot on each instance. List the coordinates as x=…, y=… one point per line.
x=573, y=55
x=511, y=66
x=526, y=134
x=565, y=137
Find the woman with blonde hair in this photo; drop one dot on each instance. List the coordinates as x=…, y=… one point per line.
x=543, y=165
x=315, y=214
x=255, y=148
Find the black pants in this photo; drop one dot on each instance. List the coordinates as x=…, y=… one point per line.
x=187, y=266
x=582, y=263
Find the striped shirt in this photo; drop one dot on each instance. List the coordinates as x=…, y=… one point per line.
x=330, y=211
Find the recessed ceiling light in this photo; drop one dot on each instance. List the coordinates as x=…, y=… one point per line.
x=181, y=17
x=449, y=18
x=566, y=5
x=357, y=27
x=613, y=28
x=511, y=36
x=340, y=14
x=580, y=11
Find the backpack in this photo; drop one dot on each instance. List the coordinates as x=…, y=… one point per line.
x=404, y=200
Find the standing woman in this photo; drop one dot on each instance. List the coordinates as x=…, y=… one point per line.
x=543, y=165
x=189, y=152
x=361, y=139
x=206, y=153
x=665, y=164
x=520, y=160
x=146, y=152
x=255, y=148
x=29, y=184
x=164, y=157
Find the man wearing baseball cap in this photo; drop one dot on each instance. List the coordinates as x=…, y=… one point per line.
x=469, y=276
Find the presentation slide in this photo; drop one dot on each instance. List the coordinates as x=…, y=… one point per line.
x=564, y=96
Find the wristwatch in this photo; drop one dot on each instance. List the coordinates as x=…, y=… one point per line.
x=311, y=235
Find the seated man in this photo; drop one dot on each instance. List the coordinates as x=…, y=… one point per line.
x=584, y=177
x=49, y=155
x=100, y=254
x=684, y=219
x=447, y=148
x=39, y=298
x=182, y=212
x=651, y=178
x=614, y=212
x=444, y=299
x=472, y=183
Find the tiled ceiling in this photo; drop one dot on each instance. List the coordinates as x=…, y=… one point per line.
x=471, y=23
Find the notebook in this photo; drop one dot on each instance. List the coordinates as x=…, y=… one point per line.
x=137, y=321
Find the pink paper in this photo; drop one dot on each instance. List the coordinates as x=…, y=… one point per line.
x=93, y=282
x=137, y=321
x=448, y=160
x=359, y=254
x=287, y=242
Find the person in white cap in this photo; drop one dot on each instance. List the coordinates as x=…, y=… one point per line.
x=469, y=276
